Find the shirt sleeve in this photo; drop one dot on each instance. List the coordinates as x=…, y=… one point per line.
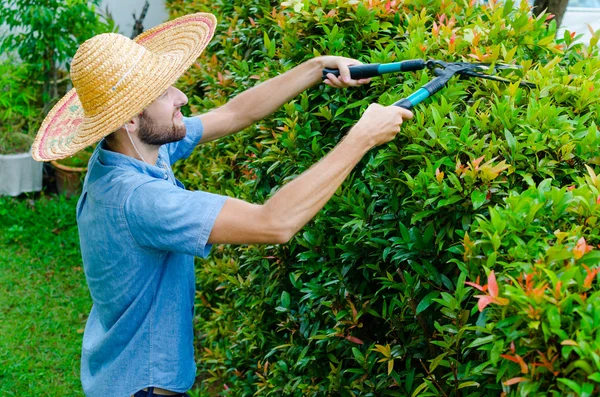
x=183, y=148
x=163, y=217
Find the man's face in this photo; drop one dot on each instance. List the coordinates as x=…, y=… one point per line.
x=162, y=121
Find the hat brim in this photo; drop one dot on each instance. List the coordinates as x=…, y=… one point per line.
x=179, y=42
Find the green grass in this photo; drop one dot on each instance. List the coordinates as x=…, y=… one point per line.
x=44, y=300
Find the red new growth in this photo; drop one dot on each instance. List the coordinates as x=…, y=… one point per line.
x=492, y=297
x=581, y=248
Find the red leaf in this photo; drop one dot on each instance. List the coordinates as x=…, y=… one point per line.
x=475, y=285
x=453, y=38
x=511, y=358
x=492, y=284
x=514, y=381
x=435, y=31
x=524, y=368
x=484, y=300
x=591, y=275
x=354, y=339
x=581, y=248
x=517, y=359
x=476, y=162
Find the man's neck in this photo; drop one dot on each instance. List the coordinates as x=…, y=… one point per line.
x=149, y=153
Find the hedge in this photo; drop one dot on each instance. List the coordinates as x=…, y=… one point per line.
x=460, y=259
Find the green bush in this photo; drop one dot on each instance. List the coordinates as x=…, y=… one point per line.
x=486, y=188
x=19, y=116
x=45, y=34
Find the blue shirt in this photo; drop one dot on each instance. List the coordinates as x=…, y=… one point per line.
x=139, y=231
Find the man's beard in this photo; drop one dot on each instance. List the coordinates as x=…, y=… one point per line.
x=153, y=133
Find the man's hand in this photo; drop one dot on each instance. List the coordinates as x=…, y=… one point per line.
x=342, y=64
x=380, y=124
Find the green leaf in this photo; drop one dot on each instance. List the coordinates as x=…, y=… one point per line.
x=512, y=142
x=482, y=341
x=426, y=301
x=587, y=389
x=478, y=198
x=285, y=299
x=595, y=377
x=468, y=384
x=571, y=384
x=360, y=358
x=419, y=389
x=553, y=317
x=436, y=361
x=404, y=232
x=448, y=201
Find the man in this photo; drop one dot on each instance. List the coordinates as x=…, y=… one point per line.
x=139, y=228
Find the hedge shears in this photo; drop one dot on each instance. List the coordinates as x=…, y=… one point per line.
x=443, y=70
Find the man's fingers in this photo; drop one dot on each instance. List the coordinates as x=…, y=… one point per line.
x=336, y=81
x=344, y=73
x=333, y=79
x=406, y=114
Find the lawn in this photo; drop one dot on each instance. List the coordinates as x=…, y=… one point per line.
x=44, y=300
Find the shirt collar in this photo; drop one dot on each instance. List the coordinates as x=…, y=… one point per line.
x=110, y=158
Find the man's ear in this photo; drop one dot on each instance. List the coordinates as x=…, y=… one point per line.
x=133, y=123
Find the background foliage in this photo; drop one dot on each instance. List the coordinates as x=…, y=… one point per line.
x=46, y=34
x=19, y=113
x=40, y=38
x=458, y=260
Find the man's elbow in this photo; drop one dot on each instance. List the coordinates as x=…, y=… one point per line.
x=285, y=236
x=280, y=231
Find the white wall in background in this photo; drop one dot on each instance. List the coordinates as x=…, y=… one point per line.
x=576, y=20
x=122, y=11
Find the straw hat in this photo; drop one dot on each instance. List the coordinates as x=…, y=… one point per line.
x=116, y=78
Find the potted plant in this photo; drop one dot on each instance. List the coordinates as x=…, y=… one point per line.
x=19, y=120
x=69, y=172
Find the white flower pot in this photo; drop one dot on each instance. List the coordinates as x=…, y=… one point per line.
x=19, y=173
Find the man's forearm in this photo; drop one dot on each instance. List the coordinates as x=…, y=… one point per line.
x=299, y=201
x=264, y=99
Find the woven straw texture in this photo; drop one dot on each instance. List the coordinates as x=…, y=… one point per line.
x=116, y=78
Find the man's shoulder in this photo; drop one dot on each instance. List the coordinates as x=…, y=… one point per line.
x=114, y=186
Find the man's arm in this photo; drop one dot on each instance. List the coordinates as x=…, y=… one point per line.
x=262, y=100
x=284, y=214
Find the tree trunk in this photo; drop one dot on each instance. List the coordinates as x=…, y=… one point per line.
x=138, y=27
x=556, y=7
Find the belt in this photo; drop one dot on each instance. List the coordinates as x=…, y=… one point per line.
x=157, y=391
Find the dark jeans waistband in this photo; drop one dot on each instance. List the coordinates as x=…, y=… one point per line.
x=150, y=393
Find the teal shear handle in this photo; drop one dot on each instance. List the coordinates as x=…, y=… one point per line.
x=377, y=69
x=424, y=92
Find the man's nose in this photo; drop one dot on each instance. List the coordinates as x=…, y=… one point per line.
x=180, y=98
